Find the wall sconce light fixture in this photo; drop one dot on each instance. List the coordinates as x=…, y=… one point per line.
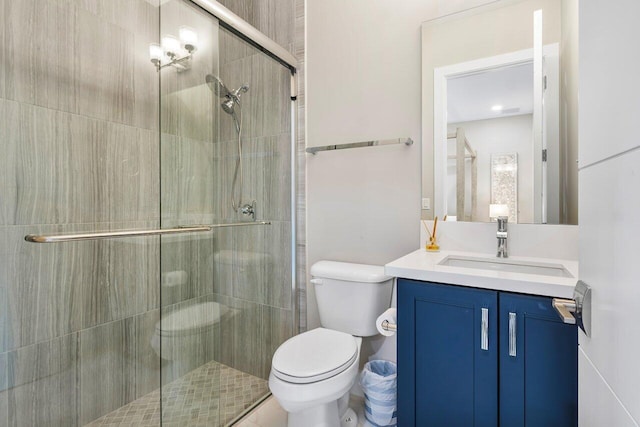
x=173, y=52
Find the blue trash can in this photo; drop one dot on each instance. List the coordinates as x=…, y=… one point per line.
x=379, y=383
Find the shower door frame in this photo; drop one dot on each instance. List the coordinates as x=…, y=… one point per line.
x=261, y=41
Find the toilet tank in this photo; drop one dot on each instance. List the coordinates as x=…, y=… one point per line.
x=351, y=296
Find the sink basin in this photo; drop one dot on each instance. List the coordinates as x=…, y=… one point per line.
x=499, y=264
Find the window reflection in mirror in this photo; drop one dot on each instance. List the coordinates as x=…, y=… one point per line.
x=500, y=112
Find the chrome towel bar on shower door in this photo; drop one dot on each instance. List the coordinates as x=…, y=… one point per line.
x=58, y=238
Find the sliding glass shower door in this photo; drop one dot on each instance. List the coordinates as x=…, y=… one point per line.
x=111, y=311
x=226, y=296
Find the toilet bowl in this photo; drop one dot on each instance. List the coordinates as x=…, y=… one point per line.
x=313, y=372
x=183, y=330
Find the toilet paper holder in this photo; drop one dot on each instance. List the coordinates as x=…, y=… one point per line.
x=387, y=326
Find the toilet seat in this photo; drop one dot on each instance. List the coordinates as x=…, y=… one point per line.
x=314, y=356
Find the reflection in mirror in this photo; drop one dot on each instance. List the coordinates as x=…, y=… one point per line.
x=500, y=108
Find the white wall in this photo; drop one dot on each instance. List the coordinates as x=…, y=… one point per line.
x=496, y=136
x=609, y=203
x=363, y=82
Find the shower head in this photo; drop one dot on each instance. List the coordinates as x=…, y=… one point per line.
x=216, y=86
x=230, y=98
x=228, y=106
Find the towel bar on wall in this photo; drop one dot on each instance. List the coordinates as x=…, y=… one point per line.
x=406, y=141
x=58, y=238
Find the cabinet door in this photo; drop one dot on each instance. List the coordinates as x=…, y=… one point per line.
x=447, y=355
x=538, y=364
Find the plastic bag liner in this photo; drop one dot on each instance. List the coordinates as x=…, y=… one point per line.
x=379, y=382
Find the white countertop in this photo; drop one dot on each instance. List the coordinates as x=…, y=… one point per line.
x=423, y=265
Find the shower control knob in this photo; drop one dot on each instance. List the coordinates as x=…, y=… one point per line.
x=249, y=209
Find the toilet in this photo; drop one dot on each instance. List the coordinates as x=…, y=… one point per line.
x=312, y=373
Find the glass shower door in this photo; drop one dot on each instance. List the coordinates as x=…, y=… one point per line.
x=226, y=296
x=103, y=153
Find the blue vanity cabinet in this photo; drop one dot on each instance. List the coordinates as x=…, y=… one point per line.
x=447, y=355
x=521, y=373
x=538, y=364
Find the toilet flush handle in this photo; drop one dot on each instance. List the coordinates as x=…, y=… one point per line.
x=316, y=281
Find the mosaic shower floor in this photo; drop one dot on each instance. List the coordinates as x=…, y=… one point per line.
x=212, y=395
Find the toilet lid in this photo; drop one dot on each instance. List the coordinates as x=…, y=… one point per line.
x=314, y=356
x=191, y=319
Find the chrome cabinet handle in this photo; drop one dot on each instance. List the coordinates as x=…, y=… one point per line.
x=512, y=334
x=565, y=307
x=484, y=335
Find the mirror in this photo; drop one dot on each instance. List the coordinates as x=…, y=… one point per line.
x=500, y=98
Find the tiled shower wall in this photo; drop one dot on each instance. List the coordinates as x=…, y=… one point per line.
x=284, y=22
x=79, y=142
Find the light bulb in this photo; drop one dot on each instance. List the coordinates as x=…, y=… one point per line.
x=171, y=46
x=498, y=210
x=189, y=38
x=155, y=53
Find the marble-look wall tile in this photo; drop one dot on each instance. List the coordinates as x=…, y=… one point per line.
x=104, y=69
x=269, y=175
x=57, y=65
x=266, y=173
x=147, y=361
x=242, y=8
x=189, y=112
x=233, y=47
x=240, y=335
x=187, y=263
x=256, y=265
x=224, y=261
x=276, y=19
x=4, y=404
x=266, y=107
x=3, y=53
x=55, y=289
x=72, y=169
x=277, y=286
x=106, y=368
x=4, y=267
x=188, y=107
x=42, y=69
x=277, y=327
x=8, y=187
x=140, y=18
x=42, y=384
x=187, y=178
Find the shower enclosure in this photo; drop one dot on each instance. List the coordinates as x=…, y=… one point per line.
x=147, y=205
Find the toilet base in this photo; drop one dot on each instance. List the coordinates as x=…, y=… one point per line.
x=332, y=414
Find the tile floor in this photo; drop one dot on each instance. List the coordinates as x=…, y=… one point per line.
x=271, y=414
x=212, y=395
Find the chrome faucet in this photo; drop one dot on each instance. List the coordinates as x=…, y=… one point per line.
x=502, y=237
